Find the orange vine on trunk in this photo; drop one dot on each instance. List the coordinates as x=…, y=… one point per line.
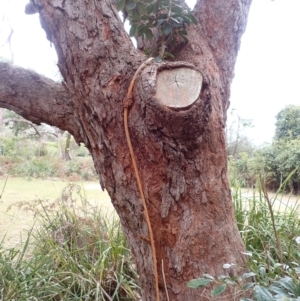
x=127, y=102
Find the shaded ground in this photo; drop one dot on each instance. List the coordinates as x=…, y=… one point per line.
x=15, y=222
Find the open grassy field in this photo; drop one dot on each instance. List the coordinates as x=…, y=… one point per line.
x=16, y=216
x=17, y=191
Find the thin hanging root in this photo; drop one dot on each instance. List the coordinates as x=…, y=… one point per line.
x=127, y=102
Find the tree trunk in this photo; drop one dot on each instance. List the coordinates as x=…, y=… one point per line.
x=67, y=147
x=176, y=123
x=1, y=120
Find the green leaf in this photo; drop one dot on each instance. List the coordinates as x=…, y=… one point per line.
x=169, y=55
x=262, y=271
x=209, y=276
x=277, y=264
x=229, y=281
x=141, y=7
x=200, y=282
x=148, y=33
x=248, y=285
x=193, y=19
x=136, y=15
x=121, y=5
x=145, y=18
x=130, y=6
x=297, y=289
x=167, y=29
x=186, y=20
x=218, y=290
x=222, y=277
x=141, y=30
x=151, y=9
x=160, y=22
x=180, y=19
x=177, y=10
x=133, y=29
x=287, y=283
x=262, y=294
x=176, y=25
x=278, y=290
x=175, y=20
x=248, y=275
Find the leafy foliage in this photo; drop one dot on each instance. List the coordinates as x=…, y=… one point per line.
x=32, y=158
x=236, y=134
x=275, y=162
x=170, y=17
x=288, y=123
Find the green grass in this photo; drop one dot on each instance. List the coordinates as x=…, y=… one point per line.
x=268, y=224
x=74, y=252
x=19, y=192
x=270, y=228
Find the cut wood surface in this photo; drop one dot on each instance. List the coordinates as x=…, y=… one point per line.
x=179, y=87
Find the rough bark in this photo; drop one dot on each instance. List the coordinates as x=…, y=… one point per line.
x=37, y=99
x=181, y=152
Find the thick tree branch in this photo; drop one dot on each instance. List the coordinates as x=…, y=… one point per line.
x=37, y=99
x=93, y=29
x=222, y=25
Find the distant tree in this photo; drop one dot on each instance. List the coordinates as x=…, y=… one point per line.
x=236, y=138
x=20, y=126
x=288, y=123
x=281, y=159
x=44, y=133
x=276, y=162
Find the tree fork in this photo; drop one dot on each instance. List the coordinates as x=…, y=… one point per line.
x=179, y=148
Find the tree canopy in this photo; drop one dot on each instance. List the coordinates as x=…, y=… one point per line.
x=288, y=123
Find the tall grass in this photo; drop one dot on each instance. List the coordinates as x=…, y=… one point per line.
x=75, y=253
x=80, y=253
x=269, y=228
